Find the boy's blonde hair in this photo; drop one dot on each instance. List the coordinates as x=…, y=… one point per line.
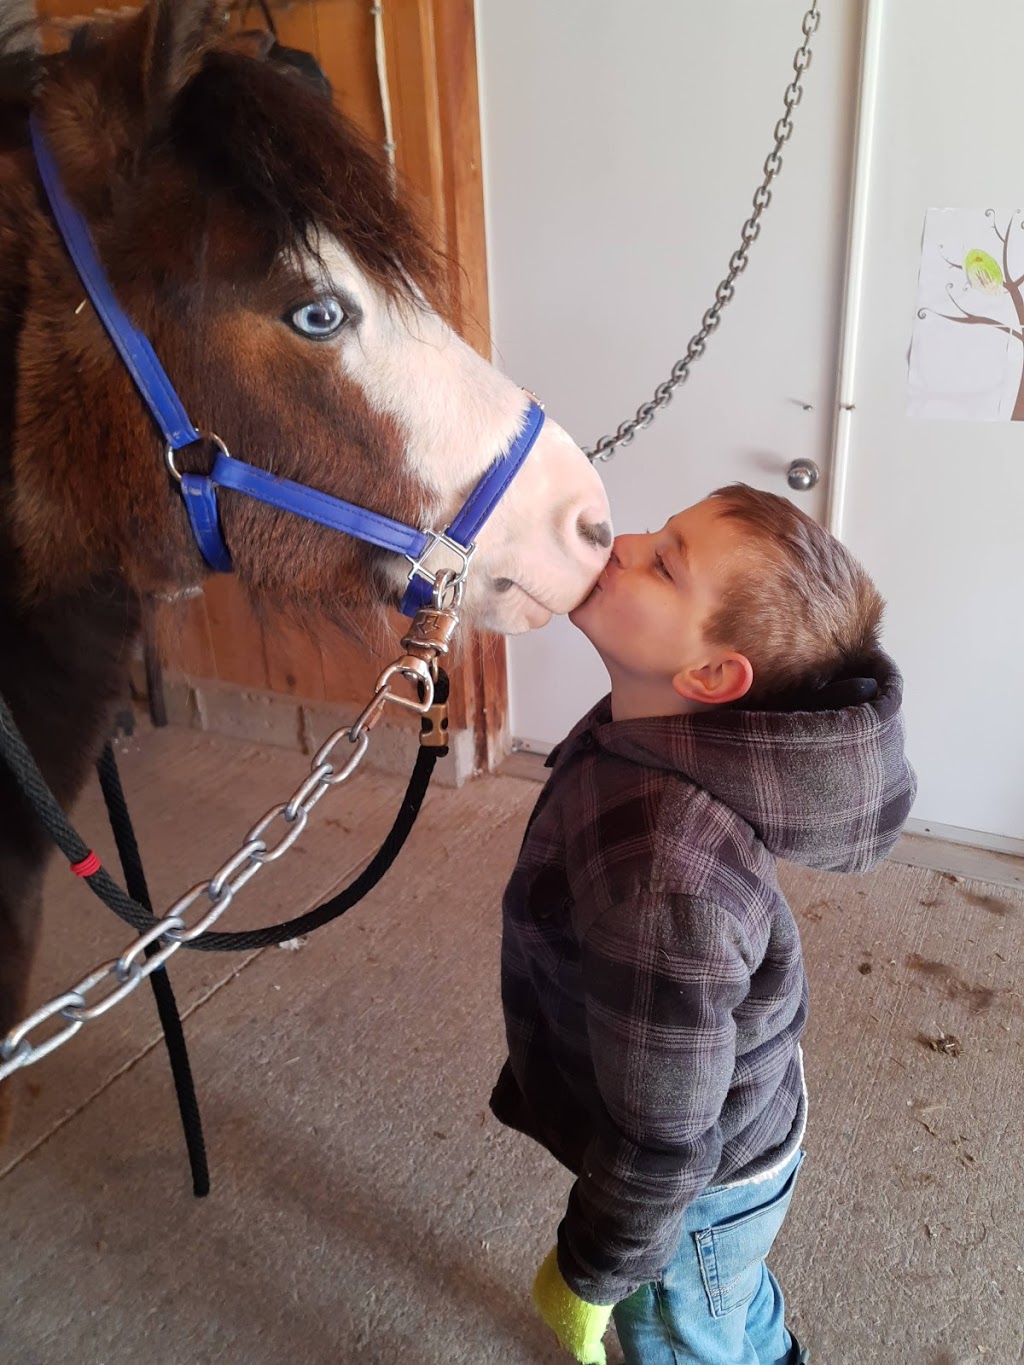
x=800, y=607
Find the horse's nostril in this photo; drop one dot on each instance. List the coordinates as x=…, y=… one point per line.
x=502, y=584
x=599, y=533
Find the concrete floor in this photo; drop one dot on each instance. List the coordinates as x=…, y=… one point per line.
x=366, y=1208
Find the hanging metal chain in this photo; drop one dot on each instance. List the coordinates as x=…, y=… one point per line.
x=271, y=837
x=606, y=447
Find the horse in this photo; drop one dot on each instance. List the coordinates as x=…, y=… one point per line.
x=293, y=298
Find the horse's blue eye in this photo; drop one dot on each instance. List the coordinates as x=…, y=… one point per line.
x=319, y=319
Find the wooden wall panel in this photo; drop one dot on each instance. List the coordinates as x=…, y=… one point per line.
x=183, y=633
x=462, y=185
x=295, y=666
x=236, y=634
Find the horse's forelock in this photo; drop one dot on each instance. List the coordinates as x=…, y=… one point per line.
x=300, y=173
x=255, y=133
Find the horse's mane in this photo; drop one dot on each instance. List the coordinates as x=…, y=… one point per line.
x=298, y=167
x=21, y=67
x=257, y=132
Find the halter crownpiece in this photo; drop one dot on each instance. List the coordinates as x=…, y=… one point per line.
x=199, y=491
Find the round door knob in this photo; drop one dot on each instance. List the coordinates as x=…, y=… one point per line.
x=802, y=475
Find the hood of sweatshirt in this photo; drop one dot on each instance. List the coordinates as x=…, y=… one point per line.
x=828, y=786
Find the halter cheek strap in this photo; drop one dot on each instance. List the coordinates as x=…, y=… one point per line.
x=199, y=491
x=204, y=517
x=135, y=350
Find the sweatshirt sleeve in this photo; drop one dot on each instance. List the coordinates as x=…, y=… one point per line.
x=662, y=976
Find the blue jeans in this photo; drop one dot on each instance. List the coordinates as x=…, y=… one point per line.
x=716, y=1303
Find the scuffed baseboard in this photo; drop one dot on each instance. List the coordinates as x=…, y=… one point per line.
x=962, y=852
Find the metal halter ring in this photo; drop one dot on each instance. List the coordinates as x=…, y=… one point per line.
x=449, y=582
x=170, y=452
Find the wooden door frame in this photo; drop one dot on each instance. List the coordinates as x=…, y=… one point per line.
x=430, y=47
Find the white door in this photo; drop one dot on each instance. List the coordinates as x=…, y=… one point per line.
x=622, y=143
x=622, y=146
x=936, y=507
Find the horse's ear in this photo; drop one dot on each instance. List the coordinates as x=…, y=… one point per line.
x=176, y=35
x=251, y=42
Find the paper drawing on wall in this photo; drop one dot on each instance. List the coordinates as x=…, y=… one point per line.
x=967, y=353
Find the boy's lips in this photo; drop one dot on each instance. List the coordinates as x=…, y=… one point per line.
x=599, y=586
x=605, y=576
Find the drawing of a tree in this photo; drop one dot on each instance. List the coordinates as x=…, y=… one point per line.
x=986, y=277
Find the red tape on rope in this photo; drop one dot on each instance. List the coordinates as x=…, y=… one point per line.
x=87, y=867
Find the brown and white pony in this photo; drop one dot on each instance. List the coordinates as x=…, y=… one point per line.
x=251, y=235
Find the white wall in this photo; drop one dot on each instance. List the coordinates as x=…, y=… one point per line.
x=622, y=144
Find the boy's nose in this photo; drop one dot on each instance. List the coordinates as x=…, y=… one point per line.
x=624, y=549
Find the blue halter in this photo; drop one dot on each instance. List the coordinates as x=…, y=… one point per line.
x=199, y=491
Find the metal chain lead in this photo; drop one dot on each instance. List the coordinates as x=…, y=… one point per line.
x=606, y=447
x=276, y=831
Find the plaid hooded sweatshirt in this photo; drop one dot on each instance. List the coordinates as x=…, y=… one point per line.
x=652, y=977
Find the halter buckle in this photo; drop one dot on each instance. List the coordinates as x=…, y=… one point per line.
x=454, y=580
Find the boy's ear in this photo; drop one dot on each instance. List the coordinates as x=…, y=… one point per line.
x=728, y=679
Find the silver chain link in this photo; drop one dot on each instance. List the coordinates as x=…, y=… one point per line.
x=606, y=447
x=276, y=831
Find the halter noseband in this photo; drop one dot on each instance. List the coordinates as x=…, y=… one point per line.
x=199, y=491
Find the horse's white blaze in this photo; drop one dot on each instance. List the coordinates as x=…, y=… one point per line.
x=458, y=413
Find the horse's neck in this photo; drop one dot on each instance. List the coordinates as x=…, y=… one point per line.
x=63, y=668
x=14, y=249
x=64, y=659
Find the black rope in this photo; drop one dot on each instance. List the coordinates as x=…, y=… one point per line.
x=23, y=767
x=268, y=18
x=167, y=1007
x=423, y=770
x=357, y=889
x=60, y=829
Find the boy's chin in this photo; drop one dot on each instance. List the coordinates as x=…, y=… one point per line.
x=583, y=612
x=587, y=620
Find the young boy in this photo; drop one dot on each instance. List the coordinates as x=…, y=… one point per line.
x=652, y=978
